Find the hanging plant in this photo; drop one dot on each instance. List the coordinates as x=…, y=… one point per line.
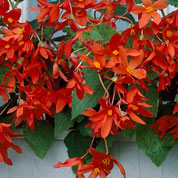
x=72, y=69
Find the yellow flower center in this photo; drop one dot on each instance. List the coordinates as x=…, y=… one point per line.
x=97, y=64
x=110, y=112
x=49, y=92
x=46, y=77
x=78, y=11
x=33, y=87
x=97, y=171
x=135, y=108
x=165, y=74
x=149, y=9
x=169, y=34
x=129, y=70
x=80, y=0
x=106, y=161
x=20, y=32
x=21, y=43
x=115, y=52
x=7, y=46
x=109, y=7
x=132, y=32
x=10, y=20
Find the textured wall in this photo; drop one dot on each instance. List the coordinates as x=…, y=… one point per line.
x=136, y=164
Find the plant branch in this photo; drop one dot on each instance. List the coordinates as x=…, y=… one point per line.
x=101, y=81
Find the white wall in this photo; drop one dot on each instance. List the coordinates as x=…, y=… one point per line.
x=135, y=162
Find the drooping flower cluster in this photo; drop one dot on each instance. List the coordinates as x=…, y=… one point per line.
x=50, y=74
x=101, y=165
x=6, y=142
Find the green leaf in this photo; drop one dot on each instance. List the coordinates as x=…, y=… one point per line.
x=86, y=34
x=101, y=145
x=151, y=144
x=89, y=101
x=169, y=141
x=85, y=130
x=120, y=10
x=62, y=122
x=128, y=132
x=153, y=99
x=40, y=139
x=173, y=2
x=102, y=33
x=18, y=1
x=49, y=31
x=8, y=120
x=138, y=1
x=34, y=23
x=152, y=75
x=77, y=146
x=176, y=97
x=3, y=70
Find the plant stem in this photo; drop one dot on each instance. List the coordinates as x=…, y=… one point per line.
x=16, y=4
x=78, y=50
x=108, y=88
x=113, y=96
x=101, y=81
x=106, y=146
x=89, y=147
x=162, y=11
x=11, y=3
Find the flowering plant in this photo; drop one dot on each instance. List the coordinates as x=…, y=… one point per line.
x=72, y=68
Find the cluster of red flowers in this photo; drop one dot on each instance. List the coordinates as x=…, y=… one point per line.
x=45, y=74
x=6, y=142
x=101, y=165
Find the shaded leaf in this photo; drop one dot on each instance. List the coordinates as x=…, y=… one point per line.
x=89, y=101
x=128, y=132
x=40, y=139
x=101, y=145
x=85, y=130
x=153, y=99
x=173, y=2
x=102, y=33
x=34, y=23
x=138, y=1
x=151, y=144
x=77, y=145
x=120, y=10
x=3, y=70
x=169, y=141
x=152, y=75
x=62, y=122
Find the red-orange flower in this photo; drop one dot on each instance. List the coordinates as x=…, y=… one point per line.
x=72, y=162
x=7, y=47
x=6, y=142
x=105, y=121
x=101, y=165
x=78, y=83
x=13, y=74
x=11, y=18
x=47, y=10
x=131, y=68
x=4, y=6
x=29, y=111
x=165, y=124
x=149, y=11
x=63, y=97
x=135, y=105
